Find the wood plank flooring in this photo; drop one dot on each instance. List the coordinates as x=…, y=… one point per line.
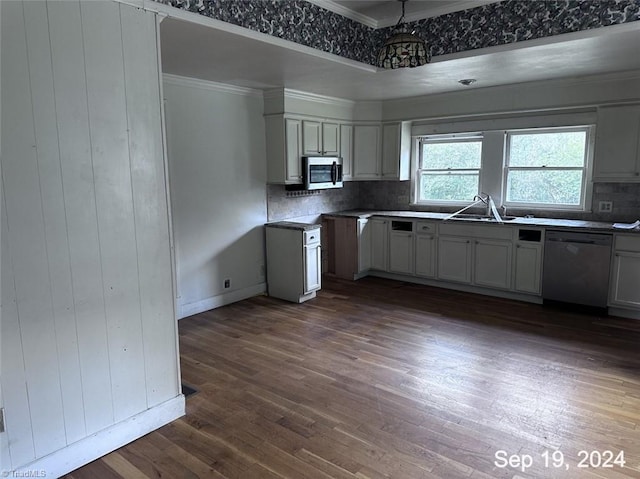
x=382, y=379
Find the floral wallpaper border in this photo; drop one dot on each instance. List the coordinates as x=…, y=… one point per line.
x=484, y=26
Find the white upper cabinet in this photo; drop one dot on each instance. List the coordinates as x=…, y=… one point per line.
x=366, y=152
x=382, y=152
x=396, y=150
x=617, y=151
x=346, y=151
x=290, y=138
x=330, y=139
x=284, y=149
x=320, y=138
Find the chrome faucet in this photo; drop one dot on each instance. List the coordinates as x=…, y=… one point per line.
x=487, y=200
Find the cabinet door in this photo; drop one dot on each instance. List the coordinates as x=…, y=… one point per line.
x=391, y=150
x=293, y=138
x=454, y=259
x=312, y=267
x=346, y=151
x=426, y=256
x=366, y=152
x=617, y=143
x=527, y=268
x=401, y=252
x=379, y=244
x=492, y=265
x=364, y=245
x=625, y=280
x=330, y=139
x=312, y=137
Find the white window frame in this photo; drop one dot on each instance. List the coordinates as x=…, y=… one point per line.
x=585, y=193
x=450, y=138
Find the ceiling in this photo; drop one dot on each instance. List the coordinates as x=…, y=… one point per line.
x=383, y=13
x=255, y=60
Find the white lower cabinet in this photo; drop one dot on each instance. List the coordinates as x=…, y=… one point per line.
x=312, y=267
x=454, y=259
x=379, y=243
x=401, y=252
x=426, y=256
x=625, y=273
x=492, y=263
x=294, y=262
x=364, y=245
x=528, y=268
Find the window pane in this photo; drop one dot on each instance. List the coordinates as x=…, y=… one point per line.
x=454, y=154
x=540, y=186
x=548, y=149
x=448, y=187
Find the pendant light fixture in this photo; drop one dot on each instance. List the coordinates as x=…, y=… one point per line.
x=403, y=49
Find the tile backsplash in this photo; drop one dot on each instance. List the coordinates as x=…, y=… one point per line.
x=306, y=206
x=396, y=195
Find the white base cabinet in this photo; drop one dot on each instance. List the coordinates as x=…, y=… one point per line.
x=294, y=262
x=401, y=256
x=492, y=263
x=379, y=243
x=625, y=273
x=528, y=268
x=426, y=249
x=454, y=259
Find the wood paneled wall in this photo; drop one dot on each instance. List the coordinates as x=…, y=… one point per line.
x=88, y=326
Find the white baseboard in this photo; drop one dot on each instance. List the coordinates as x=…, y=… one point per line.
x=624, y=313
x=529, y=298
x=97, y=445
x=220, y=300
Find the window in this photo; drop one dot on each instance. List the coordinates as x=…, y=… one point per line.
x=546, y=167
x=449, y=168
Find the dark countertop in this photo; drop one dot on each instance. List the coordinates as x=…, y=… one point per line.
x=519, y=221
x=290, y=225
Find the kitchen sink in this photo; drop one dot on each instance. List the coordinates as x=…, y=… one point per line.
x=473, y=217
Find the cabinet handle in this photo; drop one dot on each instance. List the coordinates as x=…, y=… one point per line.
x=477, y=242
x=312, y=237
x=637, y=173
x=517, y=246
x=468, y=241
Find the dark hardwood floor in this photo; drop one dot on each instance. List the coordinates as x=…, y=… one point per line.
x=382, y=379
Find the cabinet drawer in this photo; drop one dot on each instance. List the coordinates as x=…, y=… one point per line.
x=426, y=227
x=312, y=236
x=627, y=243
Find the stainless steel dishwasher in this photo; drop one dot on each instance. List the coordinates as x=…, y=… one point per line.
x=576, y=267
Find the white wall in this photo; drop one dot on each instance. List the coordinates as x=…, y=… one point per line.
x=88, y=329
x=216, y=142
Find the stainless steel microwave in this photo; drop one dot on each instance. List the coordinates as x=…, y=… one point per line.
x=320, y=172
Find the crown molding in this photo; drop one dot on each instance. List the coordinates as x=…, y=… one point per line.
x=301, y=95
x=346, y=12
x=210, y=85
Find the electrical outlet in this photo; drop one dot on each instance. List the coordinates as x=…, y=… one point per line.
x=227, y=283
x=605, y=206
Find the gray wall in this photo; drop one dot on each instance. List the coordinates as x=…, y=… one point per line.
x=217, y=171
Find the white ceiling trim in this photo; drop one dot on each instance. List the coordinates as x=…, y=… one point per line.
x=301, y=95
x=210, y=85
x=346, y=12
